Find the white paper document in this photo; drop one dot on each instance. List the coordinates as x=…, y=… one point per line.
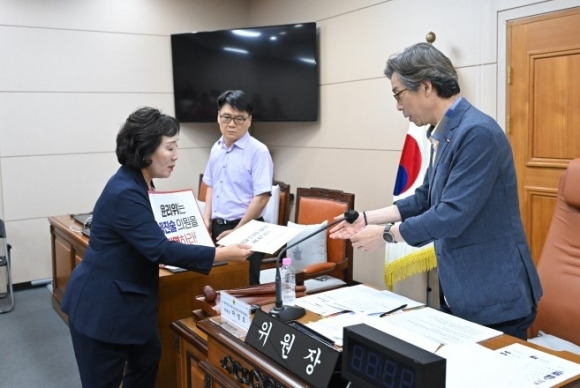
x=472, y=365
x=423, y=327
x=358, y=299
x=260, y=236
x=538, y=368
x=442, y=327
x=332, y=328
x=402, y=333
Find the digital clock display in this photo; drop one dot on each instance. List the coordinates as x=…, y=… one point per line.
x=372, y=358
x=378, y=369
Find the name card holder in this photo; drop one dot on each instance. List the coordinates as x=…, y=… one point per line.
x=236, y=312
x=307, y=357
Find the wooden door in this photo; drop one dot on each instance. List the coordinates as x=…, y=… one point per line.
x=543, y=113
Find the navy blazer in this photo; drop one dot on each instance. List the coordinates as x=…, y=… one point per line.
x=468, y=205
x=112, y=295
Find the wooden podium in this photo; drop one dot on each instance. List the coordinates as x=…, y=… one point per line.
x=177, y=292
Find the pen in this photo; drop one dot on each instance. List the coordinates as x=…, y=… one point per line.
x=339, y=313
x=393, y=310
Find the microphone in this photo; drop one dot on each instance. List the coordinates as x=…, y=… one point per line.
x=290, y=313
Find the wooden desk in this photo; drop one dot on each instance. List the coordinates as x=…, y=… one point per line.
x=203, y=344
x=176, y=291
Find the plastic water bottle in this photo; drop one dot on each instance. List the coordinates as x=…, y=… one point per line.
x=288, y=279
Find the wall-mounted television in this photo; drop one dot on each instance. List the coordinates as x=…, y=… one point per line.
x=276, y=65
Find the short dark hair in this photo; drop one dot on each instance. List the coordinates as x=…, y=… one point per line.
x=237, y=99
x=141, y=134
x=421, y=62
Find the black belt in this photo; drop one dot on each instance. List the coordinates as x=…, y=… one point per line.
x=221, y=221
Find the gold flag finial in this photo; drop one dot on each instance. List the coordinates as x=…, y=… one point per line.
x=430, y=37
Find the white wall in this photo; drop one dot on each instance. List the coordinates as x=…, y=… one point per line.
x=72, y=70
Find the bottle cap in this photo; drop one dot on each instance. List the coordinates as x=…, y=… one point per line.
x=286, y=261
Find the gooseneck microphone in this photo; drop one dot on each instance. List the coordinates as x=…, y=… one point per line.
x=290, y=313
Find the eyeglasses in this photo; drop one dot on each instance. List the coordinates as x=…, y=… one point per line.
x=238, y=120
x=398, y=94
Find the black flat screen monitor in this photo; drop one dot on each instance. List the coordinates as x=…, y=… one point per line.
x=276, y=65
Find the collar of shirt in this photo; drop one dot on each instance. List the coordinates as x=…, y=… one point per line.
x=434, y=134
x=242, y=142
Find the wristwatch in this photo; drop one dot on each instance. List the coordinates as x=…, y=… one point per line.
x=388, y=235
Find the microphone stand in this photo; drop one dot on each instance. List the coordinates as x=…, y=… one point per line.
x=290, y=313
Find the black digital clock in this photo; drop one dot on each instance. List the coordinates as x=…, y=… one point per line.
x=372, y=358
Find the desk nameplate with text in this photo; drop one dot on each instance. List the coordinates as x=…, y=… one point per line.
x=235, y=311
x=311, y=359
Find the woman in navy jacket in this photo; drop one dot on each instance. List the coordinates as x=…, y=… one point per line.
x=112, y=295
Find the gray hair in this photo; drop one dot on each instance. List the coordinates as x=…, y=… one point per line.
x=421, y=62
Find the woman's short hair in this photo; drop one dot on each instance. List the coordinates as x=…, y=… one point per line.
x=237, y=99
x=141, y=134
x=421, y=62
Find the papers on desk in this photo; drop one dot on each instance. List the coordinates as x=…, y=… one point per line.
x=516, y=365
x=538, y=368
x=332, y=328
x=260, y=236
x=352, y=305
x=359, y=299
x=468, y=363
x=442, y=327
x=426, y=328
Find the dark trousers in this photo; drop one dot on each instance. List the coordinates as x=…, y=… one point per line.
x=516, y=327
x=255, y=258
x=106, y=365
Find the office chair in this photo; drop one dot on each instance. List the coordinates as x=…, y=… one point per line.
x=8, y=294
x=559, y=267
x=278, y=207
x=285, y=202
x=317, y=270
x=315, y=205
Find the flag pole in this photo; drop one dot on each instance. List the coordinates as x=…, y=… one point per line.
x=430, y=38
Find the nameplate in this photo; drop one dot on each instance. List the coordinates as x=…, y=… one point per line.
x=310, y=359
x=235, y=311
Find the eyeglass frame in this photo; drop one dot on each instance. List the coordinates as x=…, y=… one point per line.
x=397, y=95
x=238, y=120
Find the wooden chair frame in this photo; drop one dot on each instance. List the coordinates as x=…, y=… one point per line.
x=340, y=252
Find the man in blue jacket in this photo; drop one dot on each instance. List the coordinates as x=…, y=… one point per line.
x=467, y=205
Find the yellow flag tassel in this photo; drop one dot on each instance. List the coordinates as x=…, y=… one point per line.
x=409, y=265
